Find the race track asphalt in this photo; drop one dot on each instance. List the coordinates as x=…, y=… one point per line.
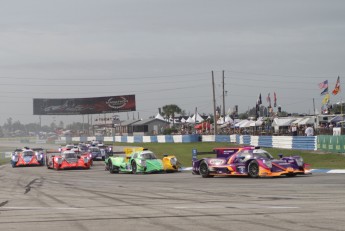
x=35, y=198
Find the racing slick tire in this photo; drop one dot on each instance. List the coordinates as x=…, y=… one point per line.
x=291, y=174
x=47, y=163
x=134, y=167
x=111, y=167
x=203, y=170
x=253, y=169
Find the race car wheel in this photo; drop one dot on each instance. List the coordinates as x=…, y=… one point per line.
x=47, y=163
x=111, y=167
x=134, y=167
x=291, y=174
x=253, y=169
x=203, y=170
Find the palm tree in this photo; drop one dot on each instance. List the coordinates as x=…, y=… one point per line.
x=170, y=110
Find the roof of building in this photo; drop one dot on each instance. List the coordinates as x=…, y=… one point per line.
x=147, y=121
x=129, y=122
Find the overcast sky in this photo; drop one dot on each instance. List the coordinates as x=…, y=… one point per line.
x=163, y=51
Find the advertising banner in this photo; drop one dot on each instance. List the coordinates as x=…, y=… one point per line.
x=80, y=106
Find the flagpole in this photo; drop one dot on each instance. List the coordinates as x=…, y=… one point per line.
x=214, y=106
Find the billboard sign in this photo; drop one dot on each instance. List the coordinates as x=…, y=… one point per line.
x=79, y=106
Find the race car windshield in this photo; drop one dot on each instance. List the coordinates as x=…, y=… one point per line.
x=70, y=155
x=148, y=156
x=28, y=153
x=265, y=155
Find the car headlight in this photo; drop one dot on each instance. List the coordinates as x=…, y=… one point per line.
x=216, y=161
x=39, y=156
x=142, y=163
x=173, y=161
x=268, y=163
x=299, y=161
x=15, y=158
x=58, y=160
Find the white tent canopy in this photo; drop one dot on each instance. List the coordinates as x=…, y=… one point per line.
x=228, y=119
x=190, y=120
x=220, y=120
x=257, y=123
x=244, y=124
x=282, y=122
x=198, y=118
x=306, y=121
x=297, y=121
x=159, y=116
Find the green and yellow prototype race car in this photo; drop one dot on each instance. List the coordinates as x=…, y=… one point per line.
x=140, y=160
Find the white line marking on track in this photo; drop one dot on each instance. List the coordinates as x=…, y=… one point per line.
x=226, y=207
x=39, y=208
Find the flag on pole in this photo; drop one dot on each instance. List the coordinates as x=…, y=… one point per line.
x=324, y=92
x=325, y=99
x=268, y=99
x=275, y=99
x=324, y=84
x=259, y=101
x=337, y=87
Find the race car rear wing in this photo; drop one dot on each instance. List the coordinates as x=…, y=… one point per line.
x=53, y=151
x=115, y=153
x=195, y=154
x=220, y=152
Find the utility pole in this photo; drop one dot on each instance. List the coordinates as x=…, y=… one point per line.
x=223, y=98
x=88, y=124
x=214, y=106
